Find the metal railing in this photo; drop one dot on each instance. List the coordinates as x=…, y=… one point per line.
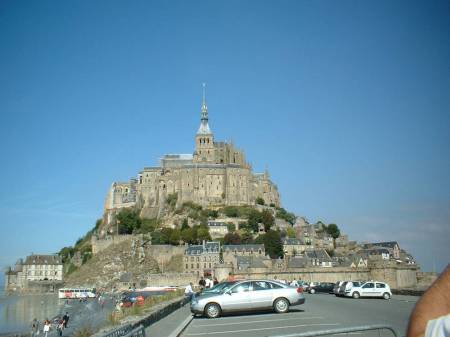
x=358, y=330
x=136, y=332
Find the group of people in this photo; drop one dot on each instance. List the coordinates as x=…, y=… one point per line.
x=207, y=282
x=47, y=325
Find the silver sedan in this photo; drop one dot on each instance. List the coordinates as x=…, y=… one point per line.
x=248, y=295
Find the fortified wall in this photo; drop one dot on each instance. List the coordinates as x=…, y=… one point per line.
x=397, y=277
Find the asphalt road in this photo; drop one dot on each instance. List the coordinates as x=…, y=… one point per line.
x=320, y=312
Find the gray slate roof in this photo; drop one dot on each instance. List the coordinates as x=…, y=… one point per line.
x=250, y=262
x=246, y=247
x=43, y=259
x=319, y=254
x=298, y=262
x=209, y=247
x=291, y=241
x=389, y=244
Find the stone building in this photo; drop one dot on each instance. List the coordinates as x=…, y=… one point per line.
x=200, y=259
x=293, y=247
x=34, y=268
x=217, y=229
x=216, y=174
x=232, y=252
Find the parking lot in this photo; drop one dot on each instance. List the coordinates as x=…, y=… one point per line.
x=320, y=312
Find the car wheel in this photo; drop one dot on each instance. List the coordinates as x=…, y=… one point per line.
x=355, y=294
x=212, y=310
x=386, y=296
x=312, y=291
x=281, y=305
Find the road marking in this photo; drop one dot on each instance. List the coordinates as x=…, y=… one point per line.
x=259, y=329
x=261, y=321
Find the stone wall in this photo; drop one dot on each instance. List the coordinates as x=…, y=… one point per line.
x=170, y=279
x=163, y=253
x=100, y=244
x=397, y=277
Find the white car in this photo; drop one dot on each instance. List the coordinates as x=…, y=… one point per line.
x=370, y=289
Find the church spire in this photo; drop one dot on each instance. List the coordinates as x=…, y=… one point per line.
x=204, y=127
x=204, y=106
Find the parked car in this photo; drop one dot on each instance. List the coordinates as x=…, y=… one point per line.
x=323, y=287
x=248, y=295
x=346, y=285
x=370, y=289
x=217, y=288
x=336, y=287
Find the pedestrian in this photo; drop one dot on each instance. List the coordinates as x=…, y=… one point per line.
x=231, y=277
x=202, y=282
x=188, y=291
x=60, y=326
x=46, y=327
x=66, y=319
x=216, y=281
x=208, y=282
x=34, y=327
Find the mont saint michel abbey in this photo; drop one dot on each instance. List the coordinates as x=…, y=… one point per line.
x=215, y=175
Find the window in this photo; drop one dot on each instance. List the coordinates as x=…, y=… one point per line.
x=192, y=265
x=198, y=265
x=275, y=286
x=261, y=285
x=240, y=288
x=380, y=285
x=368, y=285
x=187, y=266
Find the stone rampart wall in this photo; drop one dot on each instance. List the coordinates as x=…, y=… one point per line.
x=171, y=279
x=100, y=244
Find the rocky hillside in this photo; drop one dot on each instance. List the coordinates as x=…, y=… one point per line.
x=106, y=268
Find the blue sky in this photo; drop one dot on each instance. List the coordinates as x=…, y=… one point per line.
x=346, y=102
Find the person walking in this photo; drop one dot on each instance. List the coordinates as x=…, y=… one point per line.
x=34, y=327
x=46, y=327
x=188, y=291
x=202, y=282
x=60, y=327
x=66, y=319
x=216, y=281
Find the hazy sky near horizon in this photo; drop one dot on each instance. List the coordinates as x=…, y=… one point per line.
x=347, y=103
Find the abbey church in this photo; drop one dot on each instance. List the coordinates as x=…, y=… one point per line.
x=215, y=175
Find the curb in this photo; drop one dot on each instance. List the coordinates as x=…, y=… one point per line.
x=182, y=326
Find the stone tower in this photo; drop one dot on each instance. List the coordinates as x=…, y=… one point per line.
x=204, y=139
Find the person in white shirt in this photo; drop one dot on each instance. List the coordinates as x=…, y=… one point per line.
x=188, y=291
x=208, y=282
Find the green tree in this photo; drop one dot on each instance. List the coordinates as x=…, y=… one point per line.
x=246, y=237
x=175, y=237
x=166, y=233
x=185, y=224
x=291, y=233
x=273, y=245
x=283, y=214
x=187, y=235
x=66, y=254
x=231, y=227
x=232, y=239
x=267, y=219
x=231, y=211
x=149, y=225
x=172, y=200
x=129, y=220
x=260, y=201
x=333, y=230
x=203, y=234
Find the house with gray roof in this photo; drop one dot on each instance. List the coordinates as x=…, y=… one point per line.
x=200, y=259
x=393, y=245
x=232, y=252
x=318, y=257
x=293, y=247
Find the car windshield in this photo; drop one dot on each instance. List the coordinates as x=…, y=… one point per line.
x=218, y=287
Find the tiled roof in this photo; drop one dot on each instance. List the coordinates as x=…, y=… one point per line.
x=42, y=259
